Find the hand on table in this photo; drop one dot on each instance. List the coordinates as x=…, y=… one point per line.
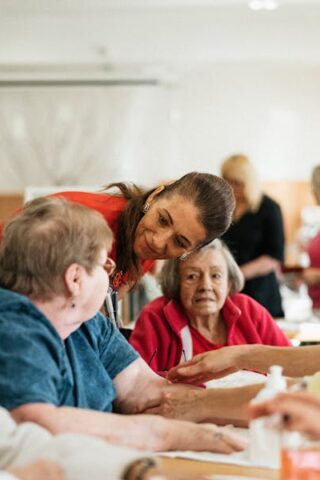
x=179, y=402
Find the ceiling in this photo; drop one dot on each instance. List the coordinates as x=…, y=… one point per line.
x=11, y=7
x=179, y=33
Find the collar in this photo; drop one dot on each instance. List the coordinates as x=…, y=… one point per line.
x=175, y=315
x=230, y=311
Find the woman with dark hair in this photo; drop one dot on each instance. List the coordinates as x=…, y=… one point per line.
x=167, y=222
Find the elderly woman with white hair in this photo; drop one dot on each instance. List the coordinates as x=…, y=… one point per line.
x=201, y=310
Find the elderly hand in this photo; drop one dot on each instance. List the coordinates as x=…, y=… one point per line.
x=300, y=412
x=40, y=470
x=204, y=437
x=181, y=403
x=207, y=366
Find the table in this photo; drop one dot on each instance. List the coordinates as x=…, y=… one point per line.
x=209, y=468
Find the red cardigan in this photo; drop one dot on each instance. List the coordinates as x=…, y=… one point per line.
x=110, y=207
x=162, y=327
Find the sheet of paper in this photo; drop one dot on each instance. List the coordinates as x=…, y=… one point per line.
x=237, y=379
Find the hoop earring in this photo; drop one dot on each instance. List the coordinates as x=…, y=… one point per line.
x=184, y=257
x=146, y=207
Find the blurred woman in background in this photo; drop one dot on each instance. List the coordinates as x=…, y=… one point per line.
x=256, y=236
x=311, y=275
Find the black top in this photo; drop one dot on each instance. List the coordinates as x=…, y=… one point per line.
x=255, y=234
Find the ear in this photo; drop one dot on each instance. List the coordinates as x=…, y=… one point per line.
x=155, y=192
x=72, y=277
x=229, y=286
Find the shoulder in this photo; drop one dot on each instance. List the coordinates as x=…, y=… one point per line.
x=268, y=204
x=246, y=304
x=163, y=313
x=152, y=314
x=102, y=202
x=21, y=319
x=98, y=327
x=156, y=305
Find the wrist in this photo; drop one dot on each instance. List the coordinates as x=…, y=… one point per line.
x=250, y=357
x=242, y=356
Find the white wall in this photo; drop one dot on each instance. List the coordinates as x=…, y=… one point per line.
x=244, y=83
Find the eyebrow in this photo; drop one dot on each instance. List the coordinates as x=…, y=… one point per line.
x=213, y=268
x=182, y=237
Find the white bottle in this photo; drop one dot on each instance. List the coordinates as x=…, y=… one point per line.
x=264, y=437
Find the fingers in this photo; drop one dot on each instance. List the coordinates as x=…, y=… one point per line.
x=304, y=398
x=154, y=411
x=227, y=442
x=286, y=403
x=201, y=377
x=203, y=367
x=261, y=409
x=185, y=370
x=298, y=412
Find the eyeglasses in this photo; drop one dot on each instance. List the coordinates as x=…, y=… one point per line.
x=109, y=266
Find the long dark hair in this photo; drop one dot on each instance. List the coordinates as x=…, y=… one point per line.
x=211, y=195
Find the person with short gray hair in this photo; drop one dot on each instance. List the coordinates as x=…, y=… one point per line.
x=63, y=365
x=201, y=310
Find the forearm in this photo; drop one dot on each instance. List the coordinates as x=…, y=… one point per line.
x=136, y=386
x=227, y=405
x=138, y=431
x=260, y=266
x=68, y=419
x=296, y=361
x=311, y=276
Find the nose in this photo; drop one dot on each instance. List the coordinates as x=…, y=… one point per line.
x=205, y=282
x=160, y=241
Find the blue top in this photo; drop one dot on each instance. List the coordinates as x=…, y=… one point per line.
x=37, y=366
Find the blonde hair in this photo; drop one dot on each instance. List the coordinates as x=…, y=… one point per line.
x=44, y=239
x=315, y=182
x=239, y=168
x=169, y=276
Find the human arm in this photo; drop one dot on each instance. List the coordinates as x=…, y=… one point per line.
x=135, y=386
x=269, y=333
x=261, y=265
x=300, y=412
x=220, y=405
x=296, y=362
x=138, y=431
x=311, y=276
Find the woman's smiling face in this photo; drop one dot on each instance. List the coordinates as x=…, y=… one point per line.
x=168, y=229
